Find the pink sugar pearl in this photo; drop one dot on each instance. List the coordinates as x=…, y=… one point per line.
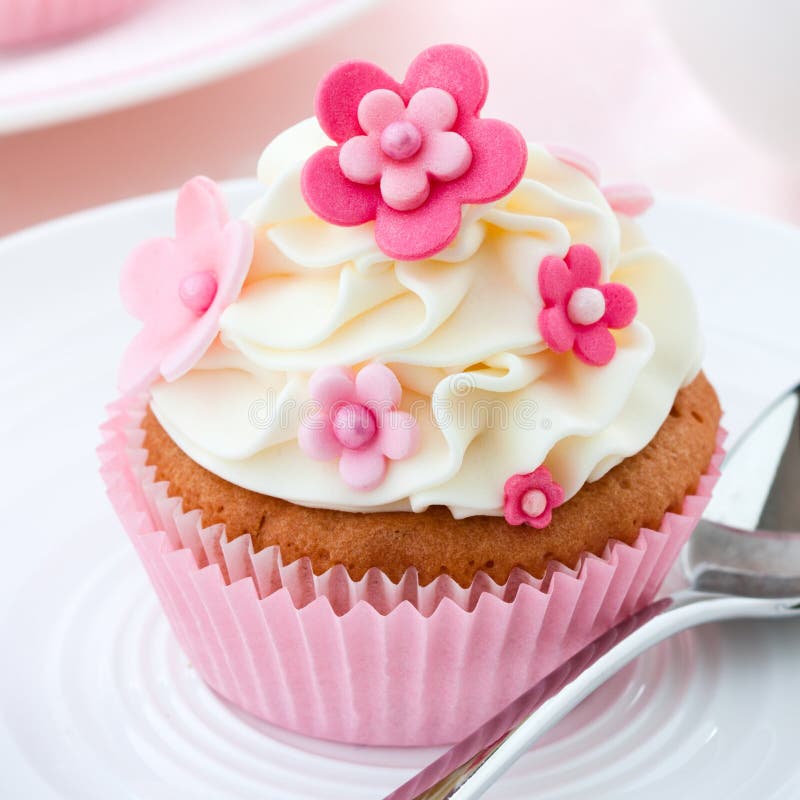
x=354, y=425
x=401, y=140
x=586, y=306
x=198, y=290
x=534, y=502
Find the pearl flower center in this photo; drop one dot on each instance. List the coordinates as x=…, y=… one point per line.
x=401, y=140
x=354, y=425
x=198, y=290
x=534, y=502
x=586, y=306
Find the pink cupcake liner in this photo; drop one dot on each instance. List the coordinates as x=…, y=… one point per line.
x=28, y=21
x=370, y=661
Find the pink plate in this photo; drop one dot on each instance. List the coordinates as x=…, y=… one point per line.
x=167, y=46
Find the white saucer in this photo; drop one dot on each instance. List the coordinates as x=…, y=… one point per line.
x=163, y=47
x=96, y=699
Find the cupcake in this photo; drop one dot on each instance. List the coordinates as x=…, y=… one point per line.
x=424, y=423
x=25, y=22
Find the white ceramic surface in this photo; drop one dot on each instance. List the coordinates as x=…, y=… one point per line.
x=166, y=46
x=96, y=699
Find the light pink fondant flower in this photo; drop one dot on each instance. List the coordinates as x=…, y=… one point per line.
x=529, y=499
x=579, y=310
x=358, y=422
x=631, y=199
x=409, y=155
x=404, y=145
x=179, y=287
x=576, y=159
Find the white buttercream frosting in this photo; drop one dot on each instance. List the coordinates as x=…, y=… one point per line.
x=459, y=331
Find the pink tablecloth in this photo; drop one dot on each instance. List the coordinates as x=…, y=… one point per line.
x=601, y=77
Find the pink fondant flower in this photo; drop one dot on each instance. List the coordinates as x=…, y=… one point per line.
x=579, y=310
x=529, y=499
x=631, y=199
x=576, y=160
x=179, y=287
x=358, y=423
x=409, y=155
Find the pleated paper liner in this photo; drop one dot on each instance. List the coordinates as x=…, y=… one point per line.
x=369, y=661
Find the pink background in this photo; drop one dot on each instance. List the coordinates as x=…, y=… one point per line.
x=601, y=77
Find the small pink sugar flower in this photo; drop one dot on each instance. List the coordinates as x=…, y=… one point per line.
x=579, y=310
x=529, y=499
x=179, y=287
x=358, y=422
x=409, y=155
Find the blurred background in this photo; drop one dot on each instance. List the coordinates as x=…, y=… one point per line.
x=695, y=97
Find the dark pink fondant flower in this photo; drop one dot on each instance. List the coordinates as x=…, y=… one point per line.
x=409, y=155
x=179, y=287
x=579, y=310
x=529, y=499
x=358, y=422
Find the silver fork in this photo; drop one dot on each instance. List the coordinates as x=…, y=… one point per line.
x=744, y=564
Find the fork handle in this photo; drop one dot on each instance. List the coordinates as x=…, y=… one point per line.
x=467, y=770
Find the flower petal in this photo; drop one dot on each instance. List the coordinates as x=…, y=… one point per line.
x=200, y=207
x=149, y=275
x=140, y=362
x=149, y=285
x=432, y=110
x=584, y=265
x=315, y=438
x=517, y=485
x=513, y=490
x=554, y=493
x=377, y=388
x=595, y=345
x=404, y=186
x=512, y=512
x=340, y=92
x=362, y=469
x=361, y=159
x=556, y=329
x=379, y=108
x=620, y=305
x=238, y=243
x=190, y=346
x=329, y=386
x=542, y=521
x=631, y=199
x=539, y=478
x=575, y=159
x=555, y=281
x=333, y=197
x=446, y=155
x=456, y=69
x=421, y=233
x=499, y=155
x=398, y=435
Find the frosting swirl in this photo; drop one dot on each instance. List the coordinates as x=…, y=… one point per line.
x=460, y=332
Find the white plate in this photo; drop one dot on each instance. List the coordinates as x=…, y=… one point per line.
x=163, y=47
x=96, y=699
